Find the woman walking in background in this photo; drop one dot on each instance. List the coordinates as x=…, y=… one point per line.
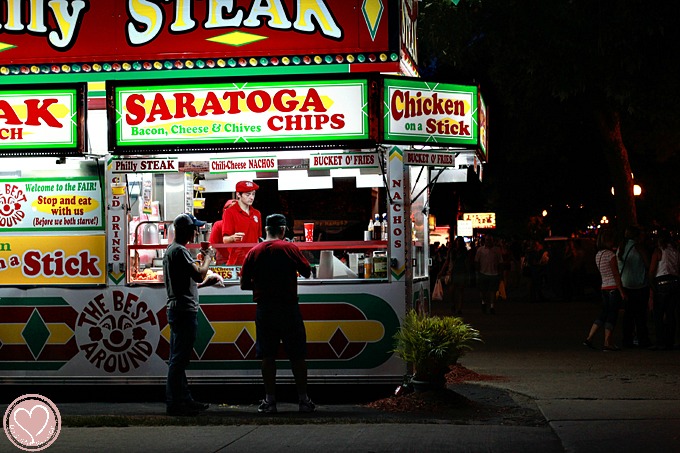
x=454, y=274
x=664, y=271
x=634, y=268
x=611, y=290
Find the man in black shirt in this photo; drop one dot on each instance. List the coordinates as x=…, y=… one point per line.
x=270, y=270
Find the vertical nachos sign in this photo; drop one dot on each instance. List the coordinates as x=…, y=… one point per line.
x=236, y=114
x=42, y=121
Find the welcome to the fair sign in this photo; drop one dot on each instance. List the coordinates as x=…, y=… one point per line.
x=217, y=114
x=42, y=119
x=51, y=204
x=430, y=113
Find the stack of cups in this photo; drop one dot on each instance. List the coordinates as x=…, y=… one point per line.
x=354, y=262
x=325, y=265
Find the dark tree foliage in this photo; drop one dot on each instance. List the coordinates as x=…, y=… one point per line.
x=581, y=94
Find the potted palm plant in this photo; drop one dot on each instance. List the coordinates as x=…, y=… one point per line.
x=432, y=344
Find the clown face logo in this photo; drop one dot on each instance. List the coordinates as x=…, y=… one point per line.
x=11, y=198
x=114, y=335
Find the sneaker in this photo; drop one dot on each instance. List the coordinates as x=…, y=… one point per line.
x=589, y=344
x=267, y=408
x=195, y=405
x=307, y=406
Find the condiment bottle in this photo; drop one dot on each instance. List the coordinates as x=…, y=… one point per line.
x=377, y=228
x=383, y=227
x=368, y=267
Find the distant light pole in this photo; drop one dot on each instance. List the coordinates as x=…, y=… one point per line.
x=637, y=190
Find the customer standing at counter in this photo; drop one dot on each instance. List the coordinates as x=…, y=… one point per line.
x=270, y=271
x=183, y=276
x=241, y=222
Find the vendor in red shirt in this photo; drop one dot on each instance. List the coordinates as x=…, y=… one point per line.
x=241, y=222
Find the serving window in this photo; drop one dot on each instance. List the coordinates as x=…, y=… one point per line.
x=330, y=214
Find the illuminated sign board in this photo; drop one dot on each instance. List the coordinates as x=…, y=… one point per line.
x=429, y=158
x=42, y=121
x=63, y=204
x=240, y=164
x=237, y=114
x=140, y=35
x=430, y=113
x=53, y=260
x=481, y=219
x=483, y=128
x=145, y=165
x=328, y=161
x=465, y=228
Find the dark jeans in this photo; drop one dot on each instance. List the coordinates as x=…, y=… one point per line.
x=666, y=295
x=537, y=283
x=611, y=303
x=183, y=327
x=635, y=317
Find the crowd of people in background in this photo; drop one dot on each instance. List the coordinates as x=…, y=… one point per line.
x=637, y=279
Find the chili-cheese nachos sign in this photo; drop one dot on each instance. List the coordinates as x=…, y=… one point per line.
x=193, y=116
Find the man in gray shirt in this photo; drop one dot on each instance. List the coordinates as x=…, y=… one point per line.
x=182, y=276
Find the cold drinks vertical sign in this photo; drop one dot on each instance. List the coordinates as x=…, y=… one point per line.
x=429, y=112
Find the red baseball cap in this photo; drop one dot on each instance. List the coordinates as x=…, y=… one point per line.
x=246, y=186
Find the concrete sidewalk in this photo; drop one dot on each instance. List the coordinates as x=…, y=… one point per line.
x=587, y=401
x=309, y=438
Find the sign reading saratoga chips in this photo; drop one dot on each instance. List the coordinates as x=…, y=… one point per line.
x=206, y=115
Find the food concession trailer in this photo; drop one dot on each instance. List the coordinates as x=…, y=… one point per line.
x=98, y=160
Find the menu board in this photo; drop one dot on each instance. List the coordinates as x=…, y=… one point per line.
x=51, y=204
x=52, y=260
x=45, y=121
x=231, y=114
x=430, y=113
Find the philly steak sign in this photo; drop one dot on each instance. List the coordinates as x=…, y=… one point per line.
x=56, y=32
